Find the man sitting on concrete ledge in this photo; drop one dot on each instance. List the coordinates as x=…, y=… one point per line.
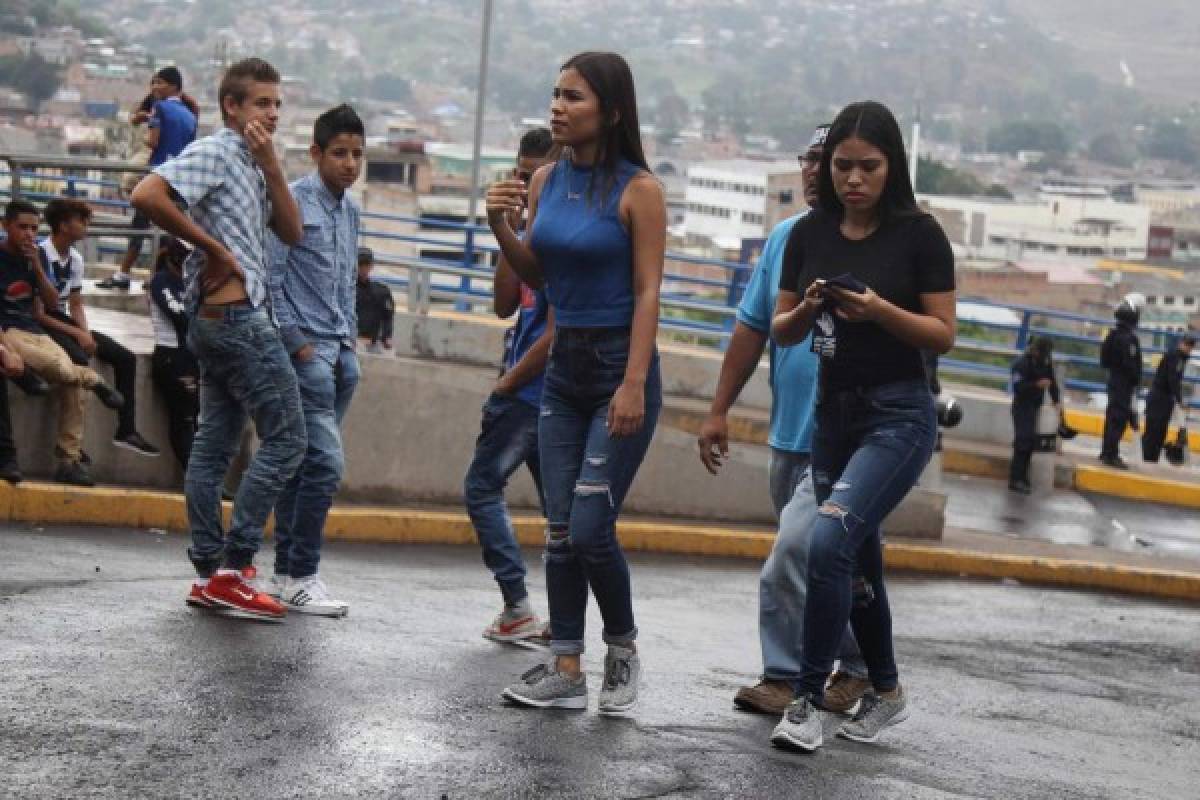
x=22, y=286
x=67, y=323
x=13, y=368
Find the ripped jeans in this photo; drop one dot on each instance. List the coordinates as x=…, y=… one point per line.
x=585, y=476
x=869, y=447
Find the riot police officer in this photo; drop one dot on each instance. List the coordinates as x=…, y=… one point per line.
x=1166, y=392
x=1032, y=376
x=1121, y=355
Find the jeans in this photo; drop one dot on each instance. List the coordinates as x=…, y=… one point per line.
x=508, y=438
x=782, y=585
x=244, y=372
x=785, y=471
x=327, y=382
x=112, y=352
x=585, y=476
x=869, y=447
x=176, y=376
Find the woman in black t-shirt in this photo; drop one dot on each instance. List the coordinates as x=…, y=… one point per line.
x=873, y=278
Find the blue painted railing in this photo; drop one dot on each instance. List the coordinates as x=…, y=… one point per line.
x=701, y=307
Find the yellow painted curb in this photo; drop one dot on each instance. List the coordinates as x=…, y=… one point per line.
x=1058, y=571
x=135, y=508
x=1120, y=483
x=1090, y=424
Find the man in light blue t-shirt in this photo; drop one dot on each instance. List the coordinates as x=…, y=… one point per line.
x=782, y=584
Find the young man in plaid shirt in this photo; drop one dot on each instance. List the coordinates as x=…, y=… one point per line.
x=221, y=194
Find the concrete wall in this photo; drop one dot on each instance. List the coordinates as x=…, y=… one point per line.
x=409, y=438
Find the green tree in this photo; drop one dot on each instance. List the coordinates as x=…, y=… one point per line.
x=33, y=75
x=1109, y=148
x=670, y=116
x=1171, y=140
x=1012, y=137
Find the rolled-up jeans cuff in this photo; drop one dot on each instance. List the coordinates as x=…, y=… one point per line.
x=624, y=640
x=566, y=647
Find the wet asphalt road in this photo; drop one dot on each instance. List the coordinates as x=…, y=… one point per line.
x=112, y=688
x=1070, y=517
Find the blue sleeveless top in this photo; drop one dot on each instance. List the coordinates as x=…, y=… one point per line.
x=585, y=253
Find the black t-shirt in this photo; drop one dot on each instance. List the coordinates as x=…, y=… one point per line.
x=900, y=261
x=18, y=287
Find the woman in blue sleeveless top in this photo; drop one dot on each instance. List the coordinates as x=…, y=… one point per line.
x=597, y=236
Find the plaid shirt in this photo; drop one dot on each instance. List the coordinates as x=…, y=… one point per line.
x=313, y=282
x=225, y=193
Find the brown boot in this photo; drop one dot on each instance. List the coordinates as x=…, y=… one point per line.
x=766, y=697
x=843, y=693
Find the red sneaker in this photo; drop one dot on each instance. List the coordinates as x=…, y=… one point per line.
x=237, y=598
x=196, y=598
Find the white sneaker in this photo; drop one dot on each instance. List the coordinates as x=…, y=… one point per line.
x=513, y=626
x=310, y=596
x=274, y=586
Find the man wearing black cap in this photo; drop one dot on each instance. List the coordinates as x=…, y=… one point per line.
x=171, y=126
x=376, y=309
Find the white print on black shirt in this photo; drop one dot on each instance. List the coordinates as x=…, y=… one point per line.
x=824, y=341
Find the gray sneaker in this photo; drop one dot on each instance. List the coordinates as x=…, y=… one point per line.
x=874, y=714
x=545, y=687
x=622, y=670
x=800, y=728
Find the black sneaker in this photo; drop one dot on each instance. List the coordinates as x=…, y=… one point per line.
x=1020, y=487
x=73, y=473
x=11, y=471
x=109, y=396
x=1116, y=462
x=113, y=282
x=31, y=383
x=135, y=442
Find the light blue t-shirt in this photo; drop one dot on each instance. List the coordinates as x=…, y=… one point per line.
x=793, y=369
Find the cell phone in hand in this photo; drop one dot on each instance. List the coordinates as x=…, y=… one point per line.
x=846, y=281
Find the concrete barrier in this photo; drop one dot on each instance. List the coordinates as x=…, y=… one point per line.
x=410, y=435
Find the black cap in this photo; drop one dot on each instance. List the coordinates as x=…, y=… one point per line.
x=171, y=75
x=366, y=255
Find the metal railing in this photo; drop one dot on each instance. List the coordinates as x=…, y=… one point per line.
x=452, y=263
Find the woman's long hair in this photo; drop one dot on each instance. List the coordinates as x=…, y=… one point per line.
x=620, y=137
x=873, y=123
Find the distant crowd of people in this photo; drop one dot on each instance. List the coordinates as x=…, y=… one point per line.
x=262, y=297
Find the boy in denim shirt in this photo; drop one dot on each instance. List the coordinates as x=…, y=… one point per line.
x=313, y=296
x=220, y=194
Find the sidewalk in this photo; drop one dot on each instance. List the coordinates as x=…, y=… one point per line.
x=960, y=553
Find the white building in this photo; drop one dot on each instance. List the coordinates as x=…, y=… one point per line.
x=728, y=201
x=1054, y=227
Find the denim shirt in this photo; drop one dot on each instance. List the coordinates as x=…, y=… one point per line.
x=224, y=191
x=313, y=282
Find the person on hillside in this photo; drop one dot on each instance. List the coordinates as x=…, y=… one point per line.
x=781, y=585
x=596, y=242
x=173, y=367
x=1166, y=395
x=1121, y=355
x=24, y=291
x=221, y=194
x=872, y=278
x=67, y=324
x=313, y=297
x=1032, y=377
x=171, y=126
x=508, y=436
